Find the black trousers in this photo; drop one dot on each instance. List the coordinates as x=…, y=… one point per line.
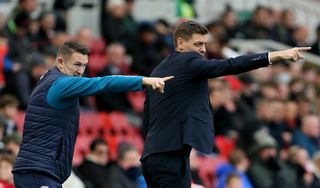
x=168, y=169
x=35, y=180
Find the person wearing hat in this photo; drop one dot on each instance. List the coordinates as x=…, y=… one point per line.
x=264, y=171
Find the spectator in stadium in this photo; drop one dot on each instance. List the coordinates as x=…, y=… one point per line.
x=129, y=18
x=163, y=29
x=3, y=48
x=182, y=118
x=234, y=181
x=114, y=27
x=223, y=105
x=23, y=7
x=296, y=168
x=238, y=164
x=230, y=22
x=52, y=116
x=61, y=8
x=117, y=64
x=257, y=122
x=307, y=135
x=300, y=36
x=43, y=38
x=8, y=111
x=6, y=164
x=291, y=115
x=85, y=36
x=276, y=127
x=258, y=27
x=93, y=170
x=12, y=143
x=285, y=28
x=265, y=169
x=18, y=61
x=116, y=53
x=316, y=168
x=150, y=50
x=126, y=173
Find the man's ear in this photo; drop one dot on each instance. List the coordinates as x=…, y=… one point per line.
x=59, y=62
x=180, y=44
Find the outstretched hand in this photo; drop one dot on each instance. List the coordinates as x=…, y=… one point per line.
x=293, y=54
x=156, y=83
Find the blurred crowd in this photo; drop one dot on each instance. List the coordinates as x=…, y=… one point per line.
x=267, y=122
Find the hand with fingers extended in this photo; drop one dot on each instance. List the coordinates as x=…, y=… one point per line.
x=292, y=54
x=156, y=83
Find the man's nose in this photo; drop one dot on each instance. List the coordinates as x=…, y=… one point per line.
x=203, y=49
x=81, y=70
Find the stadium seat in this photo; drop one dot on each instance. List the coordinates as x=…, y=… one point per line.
x=98, y=58
x=120, y=123
x=207, y=168
x=19, y=119
x=82, y=148
x=98, y=46
x=97, y=63
x=137, y=100
x=90, y=124
x=225, y=145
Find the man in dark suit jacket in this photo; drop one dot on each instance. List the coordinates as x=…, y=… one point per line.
x=181, y=118
x=316, y=45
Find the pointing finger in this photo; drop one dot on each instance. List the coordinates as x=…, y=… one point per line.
x=167, y=78
x=303, y=48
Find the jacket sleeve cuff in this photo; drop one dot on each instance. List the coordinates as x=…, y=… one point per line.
x=270, y=63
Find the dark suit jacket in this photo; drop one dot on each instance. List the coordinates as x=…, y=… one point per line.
x=183, y=115
x=315, y=48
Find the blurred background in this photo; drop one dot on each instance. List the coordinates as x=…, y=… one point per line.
x=267, y=122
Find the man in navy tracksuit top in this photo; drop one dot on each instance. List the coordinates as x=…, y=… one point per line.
x=52, y=116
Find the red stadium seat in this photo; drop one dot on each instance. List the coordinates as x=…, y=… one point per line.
x=82, y=148
x=90, y=124
x=225, y=145
x=137, y=100
x=97, y=63
x=19, y=119
x=98, y=46
x=120, y=123
x=207, y=168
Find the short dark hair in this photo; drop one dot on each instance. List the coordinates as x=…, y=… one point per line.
x=8, y=100
x=124, y=148
x=186, y=29
x=69, y=47
x=237, y=156
x=96, y=142
x=9, y=158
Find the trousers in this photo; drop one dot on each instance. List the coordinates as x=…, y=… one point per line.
x=168, y=169
x=35, y=179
